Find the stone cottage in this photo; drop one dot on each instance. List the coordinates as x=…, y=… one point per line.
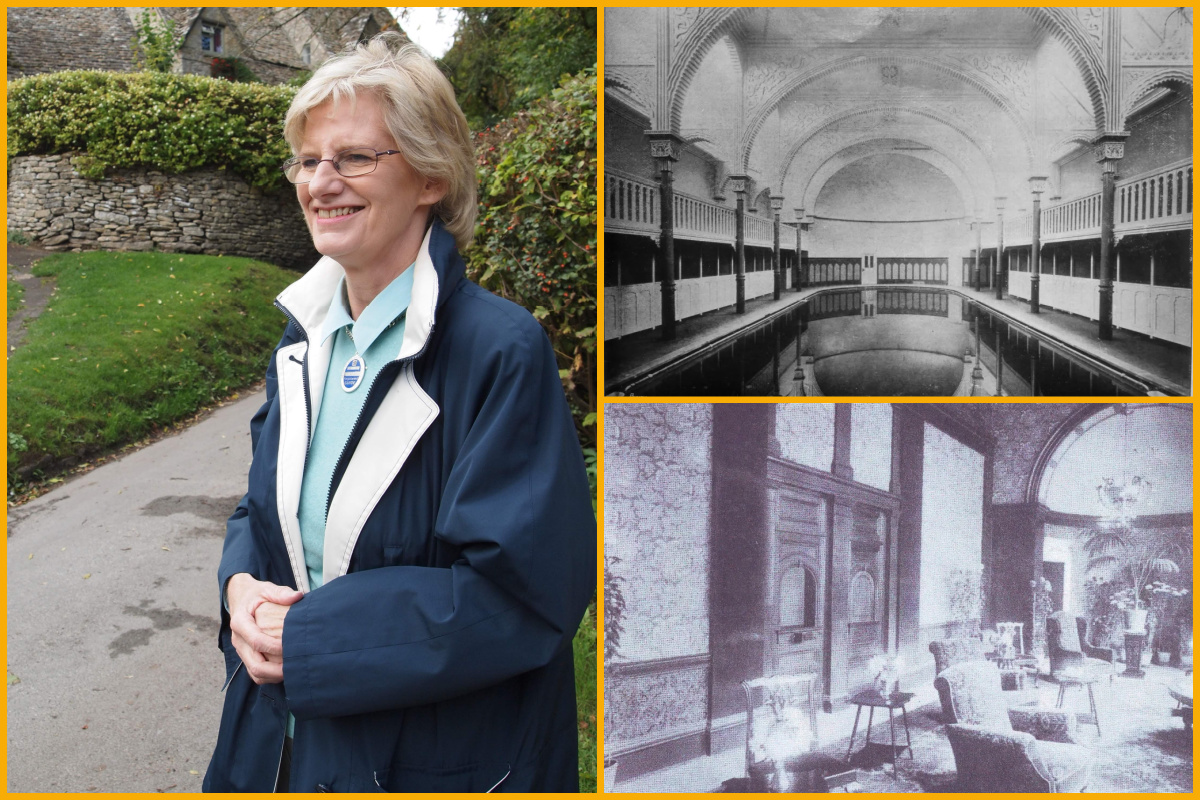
x=276, y=44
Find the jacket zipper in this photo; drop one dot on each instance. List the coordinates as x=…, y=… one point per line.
x=354, y=431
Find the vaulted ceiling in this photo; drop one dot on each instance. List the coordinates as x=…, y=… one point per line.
x=988, y=97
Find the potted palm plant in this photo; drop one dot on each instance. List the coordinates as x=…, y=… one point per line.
x=1136, y=557
x=614, y=616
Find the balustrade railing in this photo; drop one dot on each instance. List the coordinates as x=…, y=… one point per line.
x=914, y=270
x=631, y=205
x=1159, y=198
x=1164, y=195
x=833, y=271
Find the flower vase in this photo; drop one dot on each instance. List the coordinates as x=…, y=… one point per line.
x=1135, y=619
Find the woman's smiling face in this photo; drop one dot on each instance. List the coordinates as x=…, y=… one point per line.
x=367, y=222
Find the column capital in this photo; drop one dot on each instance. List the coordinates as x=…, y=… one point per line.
x=999, y=202
x=776, y=203
x=1037, y=185
x=739, y=183
x=1110, y=146
x=664, y=145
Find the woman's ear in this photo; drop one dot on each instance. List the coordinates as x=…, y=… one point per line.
x=433, y=191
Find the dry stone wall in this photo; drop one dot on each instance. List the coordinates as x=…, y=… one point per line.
x=205, y=211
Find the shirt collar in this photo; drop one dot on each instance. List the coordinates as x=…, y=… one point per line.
x=381, y=312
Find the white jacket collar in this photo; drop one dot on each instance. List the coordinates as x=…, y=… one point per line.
x=307, y=300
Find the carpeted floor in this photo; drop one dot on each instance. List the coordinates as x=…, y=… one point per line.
x=1142, y=749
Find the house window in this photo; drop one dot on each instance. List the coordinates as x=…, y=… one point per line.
x=798, y=598
x=210, y=37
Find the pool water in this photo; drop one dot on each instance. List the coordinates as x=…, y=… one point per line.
x=886, y=342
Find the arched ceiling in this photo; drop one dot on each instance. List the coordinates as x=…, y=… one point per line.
x=1151, y=441
x=962, y=82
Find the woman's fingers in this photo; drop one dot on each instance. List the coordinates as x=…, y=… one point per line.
x=259, y=667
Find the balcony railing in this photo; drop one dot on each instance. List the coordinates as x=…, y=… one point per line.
x=631, y=205
x=833, y=271
x=1154, y=198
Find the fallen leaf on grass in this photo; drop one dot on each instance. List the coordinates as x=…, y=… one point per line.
x=87, y=575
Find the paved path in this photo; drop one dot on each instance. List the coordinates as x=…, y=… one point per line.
x=112, y=622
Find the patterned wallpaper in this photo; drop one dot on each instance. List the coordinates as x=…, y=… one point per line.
x=657, y=495
x=951, y=520
x=805, y=433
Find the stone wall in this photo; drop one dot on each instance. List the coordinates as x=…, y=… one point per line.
x=205, y=211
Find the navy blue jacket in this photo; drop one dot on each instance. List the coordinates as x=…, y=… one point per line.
x=460, y=555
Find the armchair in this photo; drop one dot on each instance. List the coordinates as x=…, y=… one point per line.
x=997, y=749
x=1066, y=639
x=781, y=730
x=947, y=653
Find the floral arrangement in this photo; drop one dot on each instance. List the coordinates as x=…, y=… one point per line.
x=886, y=669
x=1124, y=600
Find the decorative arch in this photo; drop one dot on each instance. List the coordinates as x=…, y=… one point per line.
x=629, y=93
x=938, y=161
x=1144, y=84
x=824, y=70
x=1075, y=426
x=786, y=163
x=712, y=23
x=1084, y=52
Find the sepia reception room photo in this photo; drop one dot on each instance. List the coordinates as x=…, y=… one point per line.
x=884, y=202
x=878, y=597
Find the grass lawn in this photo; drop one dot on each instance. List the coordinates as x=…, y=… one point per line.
x=15, y=294
x=133, y=342
x=130, y=343
x=585, y=698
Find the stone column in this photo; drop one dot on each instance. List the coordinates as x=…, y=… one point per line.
x=664, y=149
x=1110, y=148
x=797, y=271
x=998, y=272
x=738, y=184
x=1037, y=185
x=777, y=206
x=978, y=226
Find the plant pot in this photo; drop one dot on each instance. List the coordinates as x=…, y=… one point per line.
x=1135, y=619
x=1164, y=657
x=610, y=775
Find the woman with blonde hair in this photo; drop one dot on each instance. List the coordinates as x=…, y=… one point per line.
x=401, y=583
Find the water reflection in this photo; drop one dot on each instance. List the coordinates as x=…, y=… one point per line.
x=884, y=342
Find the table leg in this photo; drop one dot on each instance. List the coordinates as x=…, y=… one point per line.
x=892, y=728
x=1095, y=713
x=870, y=719
x=1062, y=693
x=907, y=735
x=853, y=733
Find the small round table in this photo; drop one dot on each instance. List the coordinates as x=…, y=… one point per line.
x=873, y=700
x=1182, y=692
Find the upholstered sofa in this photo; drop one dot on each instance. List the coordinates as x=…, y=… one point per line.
x=947, y=653
x=1067, y=643
x=1002, y=749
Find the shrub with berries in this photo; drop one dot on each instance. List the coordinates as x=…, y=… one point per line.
x=536, y=237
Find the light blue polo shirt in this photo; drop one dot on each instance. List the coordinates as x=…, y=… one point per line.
x=377, y=344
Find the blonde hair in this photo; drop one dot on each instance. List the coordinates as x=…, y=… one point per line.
x=419, y=110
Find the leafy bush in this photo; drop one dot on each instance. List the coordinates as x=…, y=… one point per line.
x=536, y=238
x=155, y=43
x=169, y=122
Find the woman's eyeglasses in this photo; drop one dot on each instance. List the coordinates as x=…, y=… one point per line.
x=348, y=163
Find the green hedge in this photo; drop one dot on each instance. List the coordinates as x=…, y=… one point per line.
x=536, y=238
x=169, y=122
